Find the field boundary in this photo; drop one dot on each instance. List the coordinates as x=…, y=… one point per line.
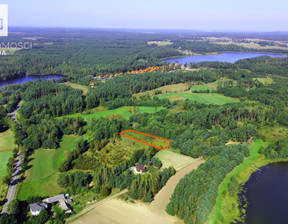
x=88, y=209
x=169, y=141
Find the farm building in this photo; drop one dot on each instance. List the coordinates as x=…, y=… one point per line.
x=36, y=208
x=64, y=203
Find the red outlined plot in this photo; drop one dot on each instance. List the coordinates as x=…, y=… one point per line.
x=167, y=140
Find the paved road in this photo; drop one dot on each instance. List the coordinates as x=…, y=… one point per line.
x=17, y=171
x=14, y=113
x=12, y=187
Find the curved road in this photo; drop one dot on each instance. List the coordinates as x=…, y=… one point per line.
x=17, y=171
x=162, y=198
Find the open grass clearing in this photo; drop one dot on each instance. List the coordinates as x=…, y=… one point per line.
x=122, y=112
x=7, y=141
x=160, y=43
x=181, y=87
x=85, y=89
x=170, y=158
x=4, y=158
x=155, y=141
x=41, y=178
x=203, y=88
x=6, y=147
x=265, y=81
x=205, y=98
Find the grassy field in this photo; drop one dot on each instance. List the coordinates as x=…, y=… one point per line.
x=6, y=141
x=122, y=112
x=181, y=87
x=4, y=158
x=85, y=89
x=203, y=88
x=147, y=139
x=225, y=204
x=265, y=81
x=41, y=178
x=205, y=98
x=160, y=43
x=169, y=157
x=6, y=147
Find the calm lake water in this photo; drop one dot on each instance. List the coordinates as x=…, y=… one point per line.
x=224, y=57
x=20, y=80
x=267, y=195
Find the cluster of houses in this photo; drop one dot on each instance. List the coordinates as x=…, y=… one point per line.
x=63, y=200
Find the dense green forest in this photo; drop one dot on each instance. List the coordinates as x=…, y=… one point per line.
x=82, y=55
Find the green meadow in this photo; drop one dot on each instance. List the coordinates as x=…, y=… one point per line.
x=122, y=112
x=203, y=88
x=85, y=89
x=41, y=178
x=205, y=98
x=6, y=147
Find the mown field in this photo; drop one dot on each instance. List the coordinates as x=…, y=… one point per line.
x=147, y=139
x=203, y=88
x=122, y=112
x=85, y=89
x=6, y=141
x=265, y=81
x=181, y=87
x=170, y=157
x=6, y=147
x=205, y=98
x=41, y=178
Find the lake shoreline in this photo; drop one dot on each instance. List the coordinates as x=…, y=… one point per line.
x=238, y=200
x=26, y=78
x=230, y=57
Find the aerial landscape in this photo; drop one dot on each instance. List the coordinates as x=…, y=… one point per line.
x=154, y=112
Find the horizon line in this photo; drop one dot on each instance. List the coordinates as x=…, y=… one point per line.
x=151, y=29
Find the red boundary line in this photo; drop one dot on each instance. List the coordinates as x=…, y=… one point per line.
x=169, y=141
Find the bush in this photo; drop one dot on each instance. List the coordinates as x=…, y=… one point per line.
x=105, y=191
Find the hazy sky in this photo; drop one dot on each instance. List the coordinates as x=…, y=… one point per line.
x=206, y=15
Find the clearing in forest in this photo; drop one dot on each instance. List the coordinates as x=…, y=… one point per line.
x=205, y=98
x=265, y=81
x=151, y=140
x=85, y=89
x=41, y=177
x=121, y=112
x=180, y=87
x=160, y=43
x=171, y=157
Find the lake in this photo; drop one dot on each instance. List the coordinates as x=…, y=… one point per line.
x=267, y=195
x=21, y=80
x=224, y=57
